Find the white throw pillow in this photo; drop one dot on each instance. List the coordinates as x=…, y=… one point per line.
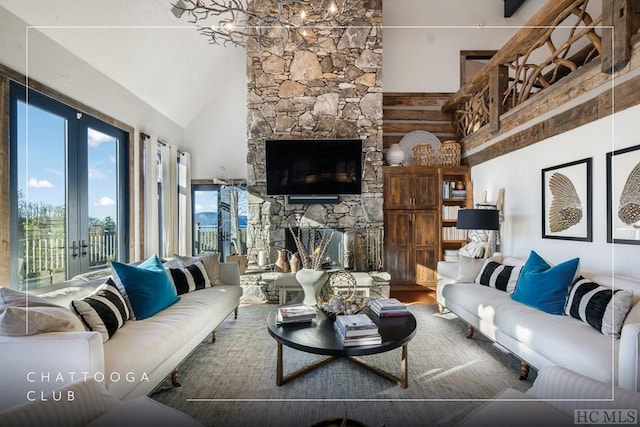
x=23, y=314
x=211, y=265
x=469, y=268
x=473, y=249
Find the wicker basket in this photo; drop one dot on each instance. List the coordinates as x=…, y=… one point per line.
x=449, y=154
x=423, y=155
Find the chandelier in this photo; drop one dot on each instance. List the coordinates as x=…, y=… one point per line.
x=265, y=21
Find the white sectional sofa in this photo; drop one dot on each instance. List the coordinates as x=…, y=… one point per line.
x=541, y=339
x=139, y=356
x=559, y=397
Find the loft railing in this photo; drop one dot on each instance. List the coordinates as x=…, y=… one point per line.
x=564, y=36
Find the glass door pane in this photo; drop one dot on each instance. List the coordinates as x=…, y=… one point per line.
x=205, y=219
x=41, y=183
x=102, y=199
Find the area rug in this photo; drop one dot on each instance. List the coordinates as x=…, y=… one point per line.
x=232, y=382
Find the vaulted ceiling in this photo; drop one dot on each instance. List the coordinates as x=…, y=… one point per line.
x=140, y=44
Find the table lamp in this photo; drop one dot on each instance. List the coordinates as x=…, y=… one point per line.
x=481, y=219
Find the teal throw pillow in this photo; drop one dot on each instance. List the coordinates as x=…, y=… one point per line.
x=148, y=286
x=545, y=287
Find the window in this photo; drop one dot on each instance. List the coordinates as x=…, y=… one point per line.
x=68, y=190
x=219, y=219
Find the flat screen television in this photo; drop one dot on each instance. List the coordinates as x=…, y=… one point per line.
x=313, y=167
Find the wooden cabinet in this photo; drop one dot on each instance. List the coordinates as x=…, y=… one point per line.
x=409, y=191
x=413, y=209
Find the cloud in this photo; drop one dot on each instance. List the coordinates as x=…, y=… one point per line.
x=96, y=174
x=197, y=207
x=105, y=201
x=96, y=138
x=42, y=183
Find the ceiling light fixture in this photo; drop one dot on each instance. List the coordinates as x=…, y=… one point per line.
x=238, y=23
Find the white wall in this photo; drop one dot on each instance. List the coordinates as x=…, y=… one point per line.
x=520, y=174
x=423, y=39
x=56, y=67
x=427, y=60
x=217, y=136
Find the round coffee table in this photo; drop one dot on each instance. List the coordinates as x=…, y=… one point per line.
x=319, y=337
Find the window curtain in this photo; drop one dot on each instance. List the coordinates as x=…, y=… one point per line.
x=151, y=212
x=167, y=200
x=185, y=244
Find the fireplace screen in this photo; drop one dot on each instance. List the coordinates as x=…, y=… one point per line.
x=337, y=254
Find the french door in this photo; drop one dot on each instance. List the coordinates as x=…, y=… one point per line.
x=219, y=219
x=68, y=187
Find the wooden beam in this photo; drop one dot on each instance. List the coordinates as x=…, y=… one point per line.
x=634, y=17
x=388, y=140
x=404, y=112
x=589, y=111
x=498, y=81
x=402, y=127
x=511, y=6
x=415, y=99
x=391, y=113
x=616, y=34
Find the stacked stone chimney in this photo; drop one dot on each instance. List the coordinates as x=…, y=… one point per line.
x=327, y=85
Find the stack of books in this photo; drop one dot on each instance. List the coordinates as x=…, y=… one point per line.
x=386, y=307
x=295, y=314
x=357, y=329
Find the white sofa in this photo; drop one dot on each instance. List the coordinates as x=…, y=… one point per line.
x=540, y=339
x=137, y=358
x=559, y=397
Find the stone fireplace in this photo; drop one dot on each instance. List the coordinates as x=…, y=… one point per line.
x=327, y=85
x=338, y=253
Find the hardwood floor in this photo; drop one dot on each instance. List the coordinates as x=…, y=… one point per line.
x=410, y=295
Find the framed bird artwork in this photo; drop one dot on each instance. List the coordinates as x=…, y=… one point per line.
x=566, y=201
x=623, y=196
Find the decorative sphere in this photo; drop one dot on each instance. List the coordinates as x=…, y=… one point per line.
x=395, y=155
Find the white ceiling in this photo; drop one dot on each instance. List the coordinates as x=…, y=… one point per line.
x=137, y=43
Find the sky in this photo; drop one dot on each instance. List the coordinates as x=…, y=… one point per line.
x=41, y=140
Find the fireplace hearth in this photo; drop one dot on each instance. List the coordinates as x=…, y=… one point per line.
x=339, y=252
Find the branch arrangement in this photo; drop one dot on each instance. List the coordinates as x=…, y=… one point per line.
x=313, y=257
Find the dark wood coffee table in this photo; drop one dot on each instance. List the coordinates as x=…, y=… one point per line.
x=319, y=337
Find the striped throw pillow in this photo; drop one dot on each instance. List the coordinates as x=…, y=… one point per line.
x=190, y=278
x=601, y=307
x=500, y=276
x=103, y=311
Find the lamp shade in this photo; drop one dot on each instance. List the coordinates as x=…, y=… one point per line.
x=478, y=219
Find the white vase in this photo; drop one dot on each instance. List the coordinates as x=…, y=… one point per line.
x=395, y=155
x=311, y=281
